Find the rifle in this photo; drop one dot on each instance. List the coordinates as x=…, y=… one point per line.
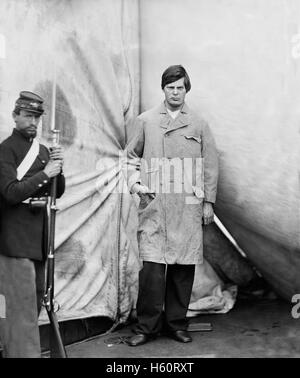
x=57, y=349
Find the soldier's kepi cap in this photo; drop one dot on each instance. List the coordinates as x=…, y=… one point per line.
x=30, y=101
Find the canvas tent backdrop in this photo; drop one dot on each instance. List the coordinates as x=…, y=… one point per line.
x=244, y=61
x=94, y=48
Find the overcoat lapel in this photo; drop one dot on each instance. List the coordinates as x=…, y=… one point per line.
x=180, y=121
x=164, y=117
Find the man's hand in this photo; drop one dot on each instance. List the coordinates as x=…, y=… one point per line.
x=208, y=213
x=53, y=168
x=56, y=153
x=142, y=189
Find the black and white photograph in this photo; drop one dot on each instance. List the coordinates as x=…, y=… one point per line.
x=149, y=182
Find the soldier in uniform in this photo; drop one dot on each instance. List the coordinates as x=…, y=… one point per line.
x=170, y=138
x=26, y=169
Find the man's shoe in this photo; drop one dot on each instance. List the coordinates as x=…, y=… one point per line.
x=181, y=336
x=138, y=339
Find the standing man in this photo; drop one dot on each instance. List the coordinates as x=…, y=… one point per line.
x=26, y=169
x=177, y=184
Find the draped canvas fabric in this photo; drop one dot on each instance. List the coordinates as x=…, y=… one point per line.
x=92, y=49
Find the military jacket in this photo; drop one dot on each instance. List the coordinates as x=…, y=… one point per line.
x=23, y=230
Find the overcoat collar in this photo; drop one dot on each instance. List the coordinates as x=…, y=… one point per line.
x=181, y=120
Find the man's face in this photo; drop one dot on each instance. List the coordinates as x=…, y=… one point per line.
x=175, y=94
x=27, y=123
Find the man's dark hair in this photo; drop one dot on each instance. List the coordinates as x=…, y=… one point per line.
x=174, y=73
x=17, y=111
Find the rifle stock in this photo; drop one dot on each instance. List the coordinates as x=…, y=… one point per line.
x=57, y=349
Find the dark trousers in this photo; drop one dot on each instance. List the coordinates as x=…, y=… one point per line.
x=165, y=288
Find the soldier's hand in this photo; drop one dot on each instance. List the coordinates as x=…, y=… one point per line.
x=142, y=189
x=53, y=168
x=56, y=153
x=208, y=213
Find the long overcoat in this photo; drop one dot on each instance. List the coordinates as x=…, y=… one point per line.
x=178, y=160
x=23, y=231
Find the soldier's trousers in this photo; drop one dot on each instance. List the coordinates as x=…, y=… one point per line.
x=21, y=291
x=163, y=298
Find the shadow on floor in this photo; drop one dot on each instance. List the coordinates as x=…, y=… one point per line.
x=261, y=328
